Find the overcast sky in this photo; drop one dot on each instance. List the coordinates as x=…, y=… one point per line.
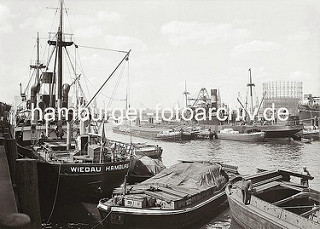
x=208, y=44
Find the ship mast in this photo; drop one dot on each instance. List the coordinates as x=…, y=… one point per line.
x=251, y=85
x=186, y=93
x=60, y=45
x=38, y=61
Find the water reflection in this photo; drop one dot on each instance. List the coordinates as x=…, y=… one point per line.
x=248, y=157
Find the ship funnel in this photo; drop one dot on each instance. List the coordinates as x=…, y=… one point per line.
x=34, y=91
x=65, y=93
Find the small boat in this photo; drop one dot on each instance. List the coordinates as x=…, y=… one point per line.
x=174, y=135
x=305, y=140
x=200, y=133
x=177, y=197
x=310, y=132
x=230, y=134
x=142, y=149
x=274, y=201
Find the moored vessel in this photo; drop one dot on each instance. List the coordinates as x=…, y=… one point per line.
x=273, y=201
x=230, y=134
x=66, y=170
x=177, y=197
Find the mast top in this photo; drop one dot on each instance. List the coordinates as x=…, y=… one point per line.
x=36, y=64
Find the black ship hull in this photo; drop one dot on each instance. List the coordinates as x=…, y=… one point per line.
x=65, y=182
x=189, y=217
x=280, y=131
x=272, y=131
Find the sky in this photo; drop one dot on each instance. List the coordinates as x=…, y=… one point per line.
x=209, y=44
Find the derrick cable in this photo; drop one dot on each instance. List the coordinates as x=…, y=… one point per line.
x=29, y=81
x=126, y=57
x=128, y=94
x=29, y=72
x=106, y=49
x=116, y=87
x=49, y=59
x=73, y=67
x=81, y=69
x=74, y=70
x=55, y=194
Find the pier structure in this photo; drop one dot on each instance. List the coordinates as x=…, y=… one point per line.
x=19, y=198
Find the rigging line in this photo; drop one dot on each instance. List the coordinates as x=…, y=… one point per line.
x=49, y=59
x=67, y=13
x=94, y=87
x=128, y=94
x=30, y=79
x=116, y=87
x=54, y=17
x=29, y=70
x=122, y=100
x=82, y=71
x=73, y=68
x=106, y=49
x=55, y=194
x=125, y=58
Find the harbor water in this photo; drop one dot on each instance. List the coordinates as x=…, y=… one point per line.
x=270, y=154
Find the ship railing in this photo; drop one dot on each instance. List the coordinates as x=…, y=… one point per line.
x=66, y=37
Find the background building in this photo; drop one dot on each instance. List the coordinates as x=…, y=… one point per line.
x=283, y=94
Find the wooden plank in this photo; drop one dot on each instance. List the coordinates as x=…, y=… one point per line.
x=267, y=181
x=261, y=174
x=292, y=187
x=313, y=210
x=296, y=196
x=286, y=172
x=266, y=186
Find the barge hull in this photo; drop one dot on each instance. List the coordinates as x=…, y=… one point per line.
x=187, y=218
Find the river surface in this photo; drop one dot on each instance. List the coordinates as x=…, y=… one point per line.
x=275, y=154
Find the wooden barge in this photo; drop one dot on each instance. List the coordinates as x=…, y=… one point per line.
x=275, y=202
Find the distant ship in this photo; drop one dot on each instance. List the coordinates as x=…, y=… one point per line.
x=309, y=108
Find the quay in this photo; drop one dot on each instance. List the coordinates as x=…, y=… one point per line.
x=19, y=199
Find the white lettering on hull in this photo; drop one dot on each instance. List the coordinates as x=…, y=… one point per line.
x=117, y=167
x=83, y=169
x=86, y=169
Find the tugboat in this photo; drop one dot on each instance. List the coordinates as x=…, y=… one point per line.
x=177, y=197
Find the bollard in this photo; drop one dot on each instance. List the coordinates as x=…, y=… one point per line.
x=15, y=221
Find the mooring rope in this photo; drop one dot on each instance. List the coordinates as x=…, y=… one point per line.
x=55, y=196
